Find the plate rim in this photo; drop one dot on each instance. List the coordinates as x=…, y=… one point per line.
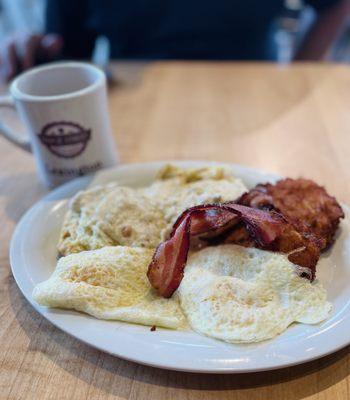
x=82, y=182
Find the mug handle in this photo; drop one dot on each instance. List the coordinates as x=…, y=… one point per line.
x=7, y=132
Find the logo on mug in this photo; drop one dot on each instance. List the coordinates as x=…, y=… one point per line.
x=65, y=139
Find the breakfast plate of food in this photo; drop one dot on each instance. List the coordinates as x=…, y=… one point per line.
x=191, y=266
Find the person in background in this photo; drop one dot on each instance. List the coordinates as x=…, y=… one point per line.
x=168, y=29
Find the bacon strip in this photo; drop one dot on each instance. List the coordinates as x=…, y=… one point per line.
x=165, y=271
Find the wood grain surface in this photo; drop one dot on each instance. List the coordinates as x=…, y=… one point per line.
x=292, y=120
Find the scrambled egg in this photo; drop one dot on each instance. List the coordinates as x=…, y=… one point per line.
x=108, y=216
x=177, y=189
x=77, y=230
x=114, y=215
x=109, y=283
x=238, y=294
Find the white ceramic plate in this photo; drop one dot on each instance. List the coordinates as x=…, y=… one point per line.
x=33, y=259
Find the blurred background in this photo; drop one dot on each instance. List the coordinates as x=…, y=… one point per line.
x=36, y=31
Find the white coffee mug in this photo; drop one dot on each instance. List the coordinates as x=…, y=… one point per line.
x=64, y=108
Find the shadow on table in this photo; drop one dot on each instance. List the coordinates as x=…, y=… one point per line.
x=112, y=375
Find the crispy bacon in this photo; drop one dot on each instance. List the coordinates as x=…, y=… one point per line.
x=302, y=247
x=165, y=271
x=296, y=217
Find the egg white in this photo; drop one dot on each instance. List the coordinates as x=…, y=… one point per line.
x=239, y=294
x=109, y=283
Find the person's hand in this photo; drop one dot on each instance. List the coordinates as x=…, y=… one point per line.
x=23, y=51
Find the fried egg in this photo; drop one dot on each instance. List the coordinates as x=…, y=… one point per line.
x=239, y=294
x=109, y=283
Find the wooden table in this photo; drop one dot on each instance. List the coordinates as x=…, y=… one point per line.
x=290, y=120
